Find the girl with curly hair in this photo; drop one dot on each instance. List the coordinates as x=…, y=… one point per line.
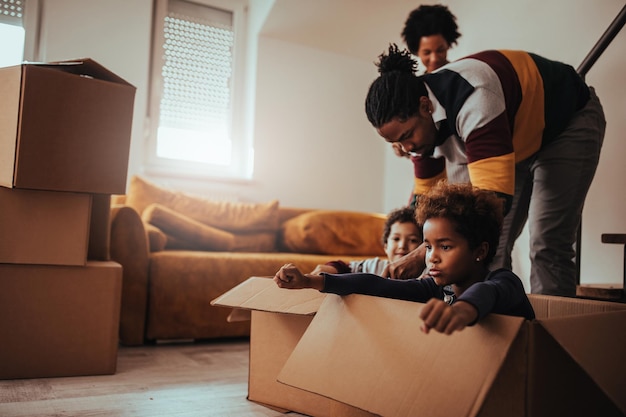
x=461, y=226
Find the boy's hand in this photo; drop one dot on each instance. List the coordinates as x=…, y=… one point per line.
x=324, y=268
x=446, y=318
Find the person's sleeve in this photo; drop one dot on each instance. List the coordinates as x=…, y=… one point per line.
x=340, y=266
x=419, y=290
x=501, y=293
x=483, y=125
x=427, y=172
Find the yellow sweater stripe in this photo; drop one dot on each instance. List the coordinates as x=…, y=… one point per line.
x=496, y=173
x=530, y=117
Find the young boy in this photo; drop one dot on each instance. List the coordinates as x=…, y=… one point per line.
x=461, y=227
x=401, y=235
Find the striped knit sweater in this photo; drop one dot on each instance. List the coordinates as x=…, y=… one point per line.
x=494, y=109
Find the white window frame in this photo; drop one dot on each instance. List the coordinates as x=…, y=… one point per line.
x=242, y=153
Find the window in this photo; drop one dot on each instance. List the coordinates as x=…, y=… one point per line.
x=196, y=125
x=11, y=32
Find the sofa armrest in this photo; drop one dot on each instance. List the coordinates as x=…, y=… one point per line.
x=129, y=247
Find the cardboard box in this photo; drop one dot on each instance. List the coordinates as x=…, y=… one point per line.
x=65, y=127
x=277, y=325
x=369, y=354
x=100, y=228
x=59, y=320
x=44, y=227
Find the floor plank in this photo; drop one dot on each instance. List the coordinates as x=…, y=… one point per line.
x=183, y=379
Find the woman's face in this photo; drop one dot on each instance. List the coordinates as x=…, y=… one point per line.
x=416, y=134
x=433, y=52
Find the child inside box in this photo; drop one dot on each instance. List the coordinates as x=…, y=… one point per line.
x=401, y=235
x=461, y=226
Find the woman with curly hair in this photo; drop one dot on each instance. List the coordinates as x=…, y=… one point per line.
x=461, y=226
x=429, y=31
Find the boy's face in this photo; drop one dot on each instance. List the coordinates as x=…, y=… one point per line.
x=449, y=260
x=403, y=238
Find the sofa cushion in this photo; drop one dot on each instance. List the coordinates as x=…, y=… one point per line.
x=225, y=215
x=334, y=232
x=186, y=229
x=255, y=242
x=156, y=238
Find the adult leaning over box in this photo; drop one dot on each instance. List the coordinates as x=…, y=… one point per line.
x=461, y=226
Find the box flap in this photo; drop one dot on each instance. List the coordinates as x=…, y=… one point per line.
x=607, y=330
x=83, y=67
x=358, y=349
x=258, y=293
x=9, y=111
x=558, y=385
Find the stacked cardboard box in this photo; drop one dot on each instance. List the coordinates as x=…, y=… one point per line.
x=325, y=355
x=64, y=147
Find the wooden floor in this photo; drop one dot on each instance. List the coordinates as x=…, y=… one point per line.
x=183, y=379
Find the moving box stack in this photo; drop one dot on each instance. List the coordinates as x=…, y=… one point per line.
x=64, y=147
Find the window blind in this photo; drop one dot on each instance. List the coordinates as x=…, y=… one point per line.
x=197, y=68
x=12, y=12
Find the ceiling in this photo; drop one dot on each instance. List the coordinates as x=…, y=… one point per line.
x=359, y=28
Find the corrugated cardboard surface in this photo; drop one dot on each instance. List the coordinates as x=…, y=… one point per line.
x=369, y=352
x=259, y=293
x=44, y=227
x=464, y=374
x=65, y=127
x=279, y=318
x=59, y=320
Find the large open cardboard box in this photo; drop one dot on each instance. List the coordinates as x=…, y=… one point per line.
x=59, y=320
x=65, y=126
x=44, y=227
x=315, y=353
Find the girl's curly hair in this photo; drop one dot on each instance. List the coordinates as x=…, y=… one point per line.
x=476, y=214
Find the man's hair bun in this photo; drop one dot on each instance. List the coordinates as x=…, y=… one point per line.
x=396, y=60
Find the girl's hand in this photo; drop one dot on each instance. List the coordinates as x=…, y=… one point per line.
x=289, y=276
x=446, y=318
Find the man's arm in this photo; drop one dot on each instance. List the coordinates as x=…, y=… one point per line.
x=409, y=266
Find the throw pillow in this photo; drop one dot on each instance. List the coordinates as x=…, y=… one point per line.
x=334, y=232
x=225, y=215
x=183, y=228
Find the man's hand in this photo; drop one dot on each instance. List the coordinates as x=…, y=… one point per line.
x=399, y=150
x=445, y=318
x=411, y=265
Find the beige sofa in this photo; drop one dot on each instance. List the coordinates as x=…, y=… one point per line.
x=179, y=252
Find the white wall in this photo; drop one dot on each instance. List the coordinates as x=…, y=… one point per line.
x=313, y=144
x=114, y=33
